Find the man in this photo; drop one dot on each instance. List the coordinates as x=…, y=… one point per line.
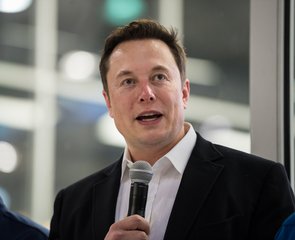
x=287, y=230
x=17, y=227
x=199, y=190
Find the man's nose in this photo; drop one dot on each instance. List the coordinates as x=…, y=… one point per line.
x=147, y=93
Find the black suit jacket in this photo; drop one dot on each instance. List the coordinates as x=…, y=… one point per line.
x=224, y=194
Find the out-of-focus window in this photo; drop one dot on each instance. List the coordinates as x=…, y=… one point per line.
x=16, y=102
x=216, y=36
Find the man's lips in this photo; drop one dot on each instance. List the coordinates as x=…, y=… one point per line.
x=151, y=116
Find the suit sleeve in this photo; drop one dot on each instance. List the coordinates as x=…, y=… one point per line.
x=275, y=204
x=54, y=233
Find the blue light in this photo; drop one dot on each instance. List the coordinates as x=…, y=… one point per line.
x=120, y=12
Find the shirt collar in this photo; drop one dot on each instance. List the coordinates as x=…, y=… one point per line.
x=126, y=161
x=182, y=150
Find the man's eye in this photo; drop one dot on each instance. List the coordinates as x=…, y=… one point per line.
x=160, y=77
x=128, y=81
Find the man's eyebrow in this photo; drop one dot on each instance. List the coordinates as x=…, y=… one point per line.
x=160, y=67
x=123, y=73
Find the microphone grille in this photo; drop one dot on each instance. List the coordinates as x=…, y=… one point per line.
x=141, y=171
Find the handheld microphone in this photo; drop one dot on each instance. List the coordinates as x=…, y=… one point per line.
x=140, y=174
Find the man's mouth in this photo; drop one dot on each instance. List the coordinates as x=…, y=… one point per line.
x=149, y=117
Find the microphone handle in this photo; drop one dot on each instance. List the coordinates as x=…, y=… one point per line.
x=138, y=198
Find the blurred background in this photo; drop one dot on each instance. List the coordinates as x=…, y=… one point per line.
x=54, y=126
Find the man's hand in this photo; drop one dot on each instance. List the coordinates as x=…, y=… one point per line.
x=132, y=227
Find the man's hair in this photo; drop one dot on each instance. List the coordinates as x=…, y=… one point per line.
x=139, y=30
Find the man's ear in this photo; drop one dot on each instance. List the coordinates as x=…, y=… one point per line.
x=185, y=93
x=108, y=102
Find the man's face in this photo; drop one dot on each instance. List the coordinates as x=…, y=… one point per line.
x=146, y=97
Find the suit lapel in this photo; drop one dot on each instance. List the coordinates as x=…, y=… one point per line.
x=198, y=179
x=105, y=194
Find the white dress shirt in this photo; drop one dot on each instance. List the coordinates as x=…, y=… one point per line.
x=163, y=187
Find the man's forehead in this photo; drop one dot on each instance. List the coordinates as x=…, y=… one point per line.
x=155, y=43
